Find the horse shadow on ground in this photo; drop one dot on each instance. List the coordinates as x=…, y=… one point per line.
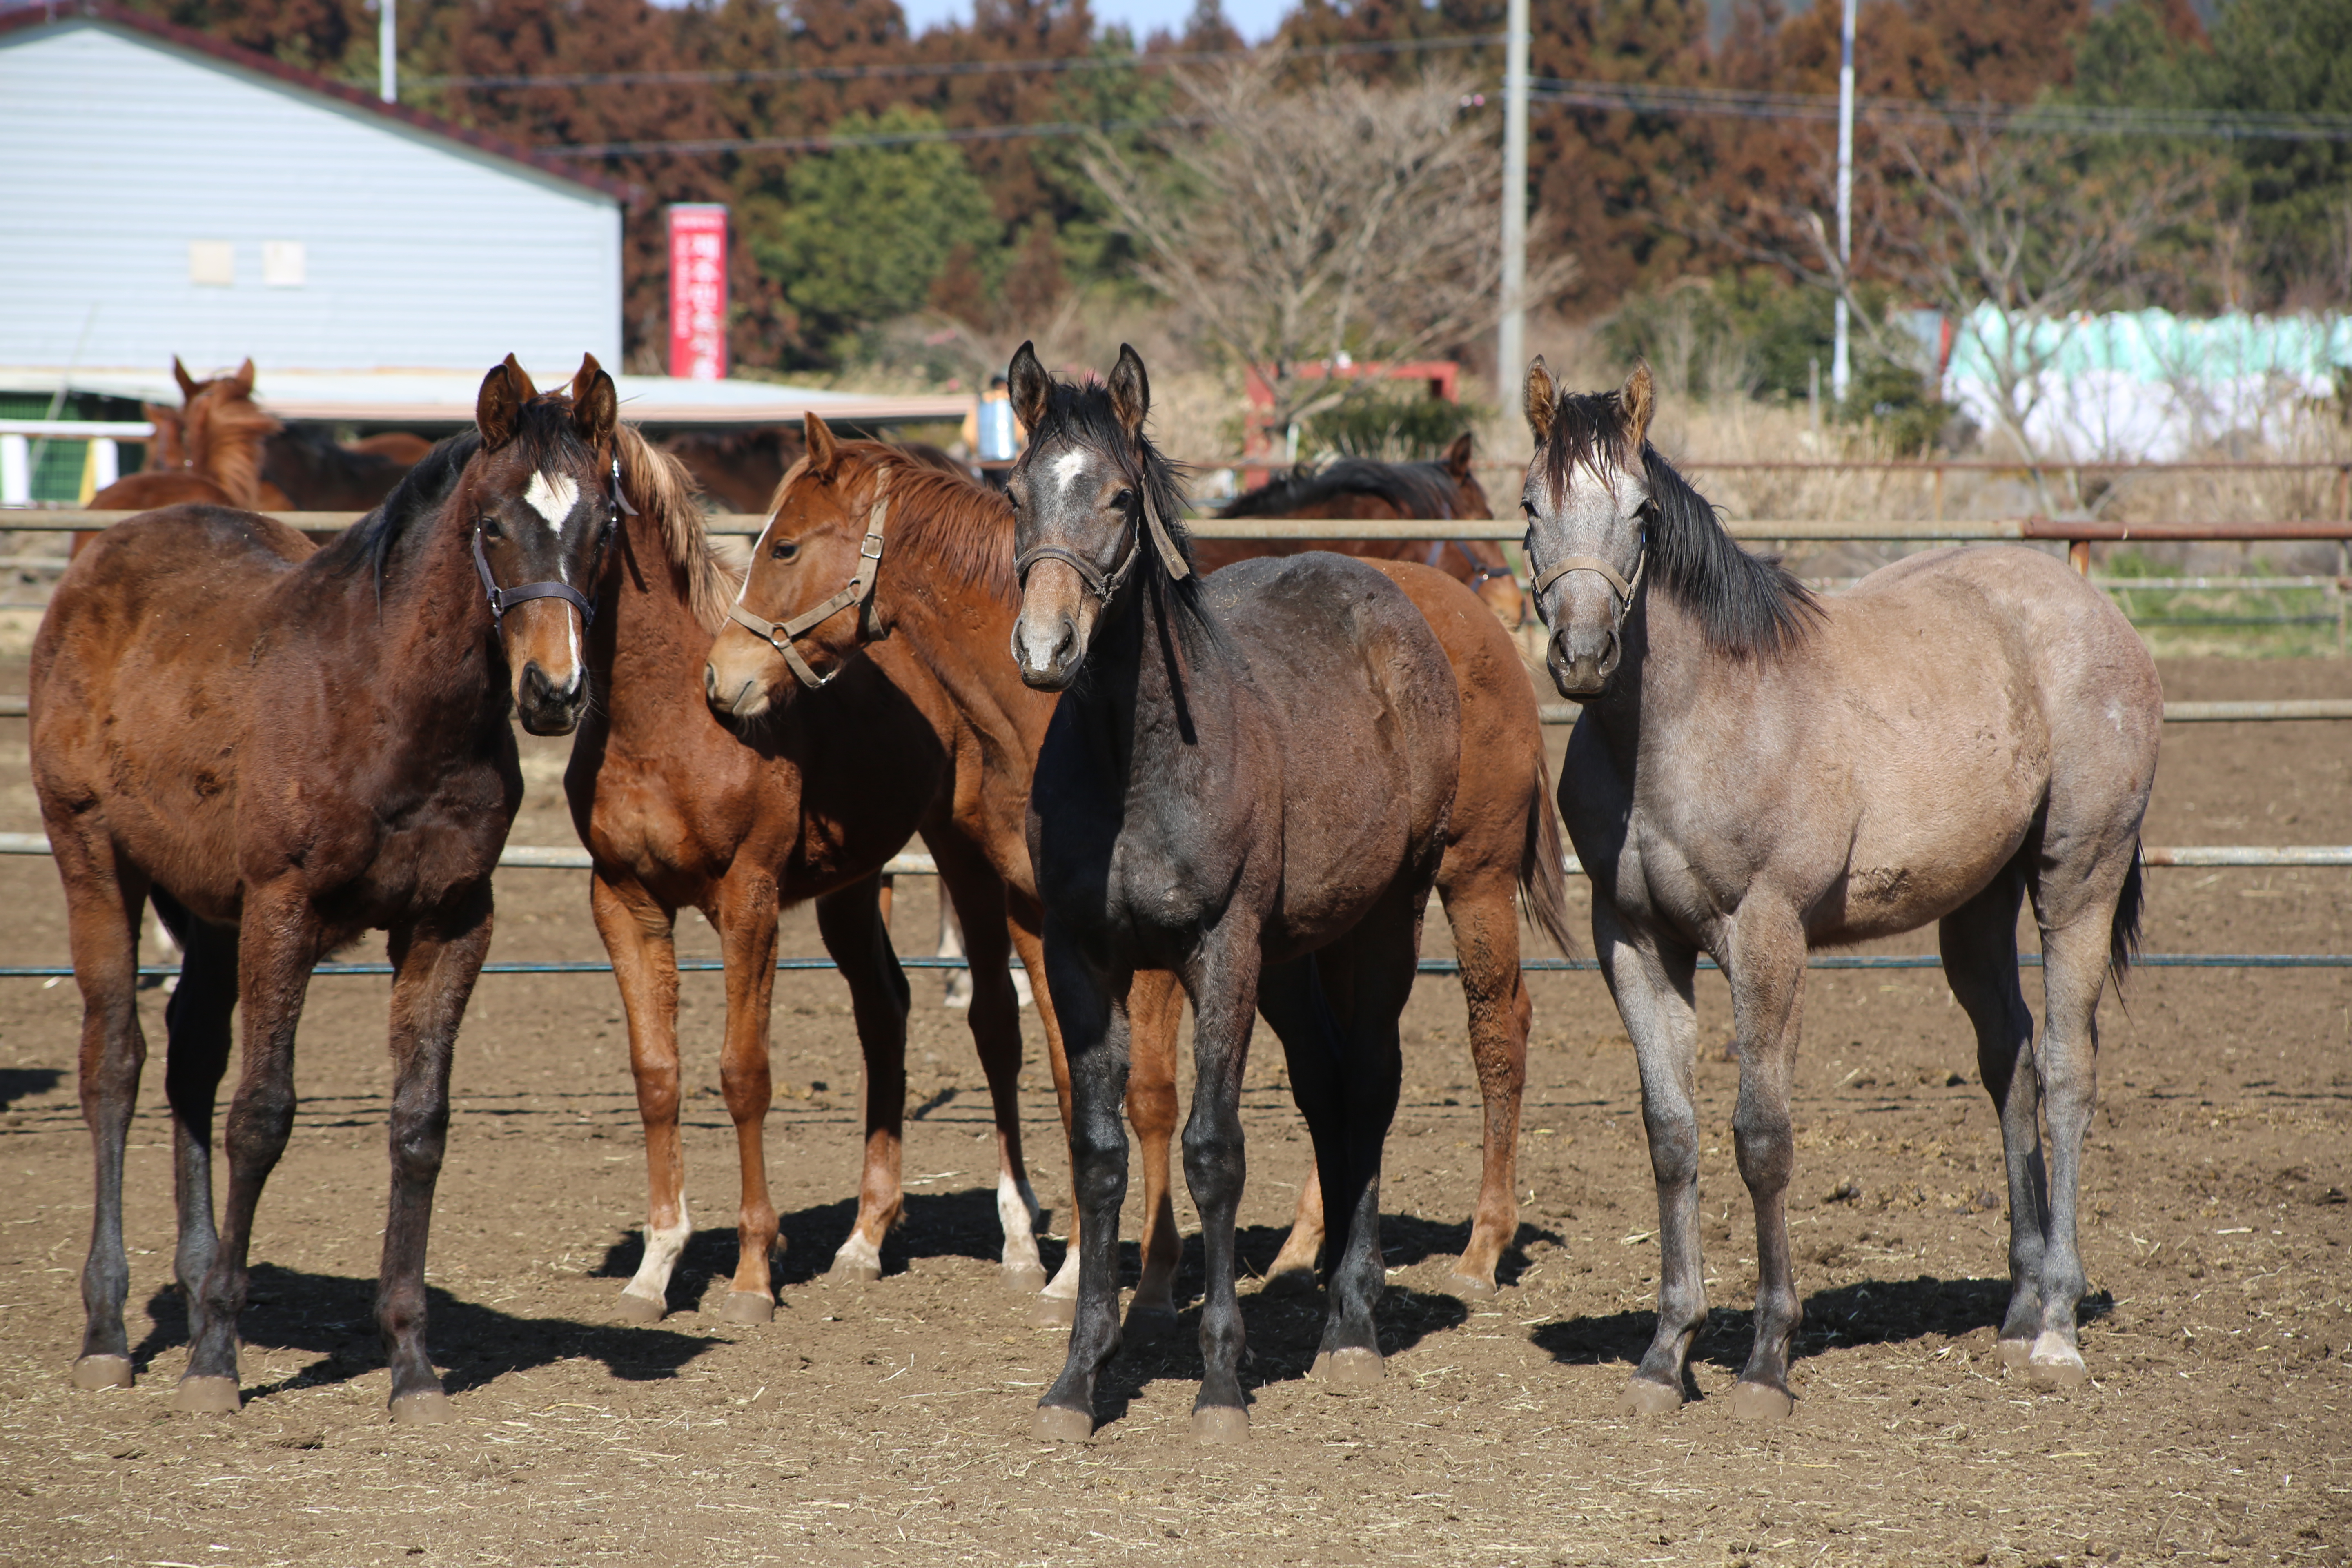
x=23, y=1083
x=1871, y=1312
x=333, y=1317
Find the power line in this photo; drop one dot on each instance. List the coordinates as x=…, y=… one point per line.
x=1050, y=66
x=878, y=139
x=2010, y=118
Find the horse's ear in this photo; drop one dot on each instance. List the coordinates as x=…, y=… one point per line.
x=530, y=387
x=180, y=374
x=1542, y=400
x=1637, y=397
x=823, y=451
x=1131, y=392
x=595, y=404
x=242, y=382
x=1028, y=385
x=499, y=409
x=1457, y=456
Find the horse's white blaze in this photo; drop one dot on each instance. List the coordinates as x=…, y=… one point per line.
x=1066, y=468
x=553, y=496
x=1017, y=1211
x=664, y=1245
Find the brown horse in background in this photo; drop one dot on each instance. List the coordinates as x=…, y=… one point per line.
x=1359, y=487
x=286, y=747
x=317, y=473
x=1758, y=773
x=679, y=811
x=945, y=597
x=213, y=446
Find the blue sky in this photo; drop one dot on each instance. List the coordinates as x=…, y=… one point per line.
x=1256, y=20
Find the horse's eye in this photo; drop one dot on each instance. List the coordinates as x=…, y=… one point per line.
x=786, y=549
x=489, y=525
x=1122, y=499
x=1529, y=508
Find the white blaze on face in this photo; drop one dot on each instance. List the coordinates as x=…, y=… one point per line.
x=1066, y=470
x=553, y=496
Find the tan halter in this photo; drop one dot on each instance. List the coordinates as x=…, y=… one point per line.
x=781, y=635
x=1624, y=587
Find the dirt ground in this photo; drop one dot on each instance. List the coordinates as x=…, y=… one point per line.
x=890, y=1421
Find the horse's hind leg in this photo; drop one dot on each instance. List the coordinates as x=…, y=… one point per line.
x=1767, y=971
x=104, y=900
x=638, y=934
x=850, y=922
x=196, y=1020
x=971, y=888
x=1652, y=985
x=1224, y=983
x=1979, y=940
x=1155, y=1013
x=434, y=964
x=1486, y=922
x=747, y=931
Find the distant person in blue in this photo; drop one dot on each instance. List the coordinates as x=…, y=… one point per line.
x=997, y=435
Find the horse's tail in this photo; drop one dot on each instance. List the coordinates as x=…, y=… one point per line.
x=2123, y=932
x=1543, y=876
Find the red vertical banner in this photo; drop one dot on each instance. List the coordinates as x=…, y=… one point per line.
x=698, y=292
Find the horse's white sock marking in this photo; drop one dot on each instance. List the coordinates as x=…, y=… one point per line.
x=857, y=1251
x=1065, y=468
x=1016, y=1210
x=1064, y=1286
x=553, y=496
x=664, y=1244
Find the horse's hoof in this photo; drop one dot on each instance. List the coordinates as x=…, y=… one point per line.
x=1648, y=1396
x=629, y=1307
x=207, y=1396
x=853, y=1273
x=1349, y=1370
x=748, y=1307
x=1145, y=1322
x=1761, y=1401
x=2056, y=1363
x=2015, y=1355
x=426, y=1407
x=96, y=1372
x=1294, y=1280
x=1060, y=1424
x=1471, y=1287
x=1053, y=1311
x=1220, y=1424
x=1025, y=1278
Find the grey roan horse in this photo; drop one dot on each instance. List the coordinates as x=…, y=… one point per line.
x=1246, y=783
x=1756, y=773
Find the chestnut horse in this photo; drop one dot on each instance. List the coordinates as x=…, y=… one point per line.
x=213, y=446
x=679, y=812
x=286, y=747
x=1249, y=789
x=943, y=591
x=1756, y=773
x=1362, y=488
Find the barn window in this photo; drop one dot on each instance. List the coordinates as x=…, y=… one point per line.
x=212, y=263
x=282, y=263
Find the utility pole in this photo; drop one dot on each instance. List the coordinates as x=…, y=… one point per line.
x=1511, y=333
x=1841, y=363
x=387, y=51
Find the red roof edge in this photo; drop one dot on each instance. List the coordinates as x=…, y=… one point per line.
x=47, y=13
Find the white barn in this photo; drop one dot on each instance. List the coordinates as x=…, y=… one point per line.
x=167, y=193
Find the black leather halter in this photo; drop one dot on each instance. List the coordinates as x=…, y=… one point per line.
x=503, y=599
x=1104, y=585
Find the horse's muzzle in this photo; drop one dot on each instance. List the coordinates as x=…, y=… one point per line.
x=1581, y=665
x=546, y=707
x=1047, y=650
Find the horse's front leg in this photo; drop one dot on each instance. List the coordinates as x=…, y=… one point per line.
x=1155, y=1010
x=2074, y=961
x=434, y=964
x=1026, y=923
x=1091, y=1000
x=639, y=935
x=747, y=935
x=1650, y=981
x=1222, y=978
x=1767, y=969
x=280, y=943
x=850, y=923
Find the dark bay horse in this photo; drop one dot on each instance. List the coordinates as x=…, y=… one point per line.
x=1359, y=487
x=943, y=591
x=679, y=811
x=1247, y=784
x=286, y=747
x=1757, y=773
x=317, y=473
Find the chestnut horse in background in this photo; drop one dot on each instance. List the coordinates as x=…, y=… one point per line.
x=214, y=442
x=286, y=747
x=1362, y=488
x=944, y=586
x=679, y=811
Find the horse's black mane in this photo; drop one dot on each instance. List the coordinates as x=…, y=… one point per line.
x=1083, y=414
x=544, y=430
x=1745, y=603
x=1415, y=489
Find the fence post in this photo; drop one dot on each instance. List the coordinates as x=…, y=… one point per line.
x=16, y=471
